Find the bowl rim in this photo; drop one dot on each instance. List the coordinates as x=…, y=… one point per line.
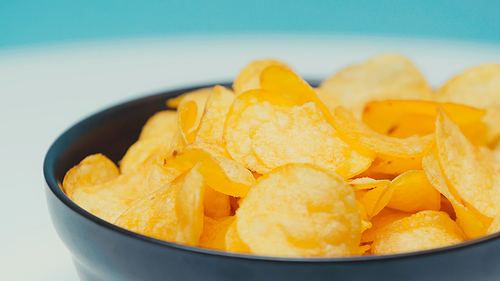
x=53, y=185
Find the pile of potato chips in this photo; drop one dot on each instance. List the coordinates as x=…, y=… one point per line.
x=372, y=161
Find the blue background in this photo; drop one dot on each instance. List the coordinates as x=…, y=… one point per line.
x=47, y=22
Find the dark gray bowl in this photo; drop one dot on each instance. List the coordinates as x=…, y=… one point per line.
x=103, y=251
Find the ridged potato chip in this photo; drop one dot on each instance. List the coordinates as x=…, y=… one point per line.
x=354, y=132
x=304, y=136
x=110, y=199
x=214, y=116
x=249, y=77
x=93, y=170
x=413, y=193
x=421, y=231
x=475, y=178
x=382, y=77
x=172, y=213
x=300, y=210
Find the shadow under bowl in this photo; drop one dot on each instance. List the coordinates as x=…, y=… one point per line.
x=103, y=251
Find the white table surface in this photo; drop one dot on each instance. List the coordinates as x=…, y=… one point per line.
x=46, y=89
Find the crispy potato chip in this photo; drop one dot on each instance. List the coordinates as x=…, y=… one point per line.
x=447, y=207
x=160, y=124
x=367, y=183
x=199, y=96
x=381, y=220
x=384, y=116
x=475, y=178
x=214, y=233
x=364, y=249
x=392, y=166
x=93, y=170
x=300, y=210
x=216, y=204
x=249, y=110
x=143, y=148
x=212, y=122
x=328, y=99
x=413, y=193
x=470, y=223
x=188, y=121
x=354, y=131
x=110, y=199
x=421, y=231
x=303, y=136
x=383, y=77
x=365, y=220
x=221, y=174
x=478, y=87
x=212, y=148
x=173, y=213
x=374, y=200
x=233, y=241
x=249, y=77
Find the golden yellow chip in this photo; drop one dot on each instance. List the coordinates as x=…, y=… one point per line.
x=354, y=132
x=199, y=96
x=328, y=99
x=474, y=176
x=110, y=199
x=143, y=148
x=249, y=77
x=304, y=136
x=374, y=200
x=422, y=231
x=161, y=123
x=381, y=220
x=413, y=193
x=383, y=77
x=495, y=225
x=93, y=170
x=233, y=241
x=216, y=204
x=390, y=166
x=214, y=233
x=221, y=174
x=469, y=221
x=173, y=213
x=300, y=210
x=212, y=122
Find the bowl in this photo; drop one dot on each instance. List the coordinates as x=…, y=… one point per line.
x=103, y=251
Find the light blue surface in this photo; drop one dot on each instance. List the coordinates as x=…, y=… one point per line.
x=28, y=22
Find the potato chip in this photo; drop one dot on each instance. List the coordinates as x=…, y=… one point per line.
x=303, y=136
x=413, y=193
x=93, y=170
x=328, y=99
x=143, y=148
x=390, y=166
x=110, y=199
x=223, y=175
x=214, y=233
x=233, y=241
x=172, y=213
x=381, y=220
x=211, y=148
x=300, y=210
x=478, y=87
x=367, y=183
x=469, y=221
x=421, y=231
x=212, y=122
x=374, y=200
x=216, y=205
x=475, y=178
x=249, y=77
x=354, y=131
x=199, y=96
x=383, y=77
x=161, y=123
x=447, y=207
